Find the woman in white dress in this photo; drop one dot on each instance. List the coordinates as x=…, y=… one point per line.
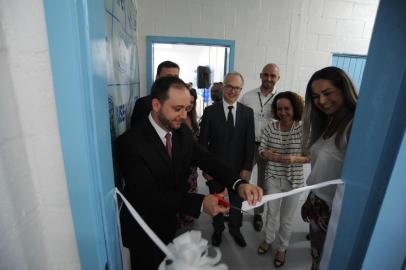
x=281, y=146
x=330, y=104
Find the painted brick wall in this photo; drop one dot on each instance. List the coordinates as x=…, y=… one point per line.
x=299, y=35
x=36, y=229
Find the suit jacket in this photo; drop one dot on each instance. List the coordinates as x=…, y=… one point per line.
x=237, y=152
x=156, y=185
x=141, y=110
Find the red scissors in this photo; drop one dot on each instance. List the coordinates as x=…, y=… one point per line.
x=225, y=203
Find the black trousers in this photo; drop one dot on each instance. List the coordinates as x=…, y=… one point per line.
x=235, y=216
x=145, y=255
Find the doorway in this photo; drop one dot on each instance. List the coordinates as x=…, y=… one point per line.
x=81, y=98
x=189, y=53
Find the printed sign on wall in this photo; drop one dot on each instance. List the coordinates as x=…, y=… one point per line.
x=123, y=81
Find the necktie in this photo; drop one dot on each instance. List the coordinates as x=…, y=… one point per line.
x=230, y=122
x=168, y=144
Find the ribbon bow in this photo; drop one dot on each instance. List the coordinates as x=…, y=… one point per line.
x=190, y=252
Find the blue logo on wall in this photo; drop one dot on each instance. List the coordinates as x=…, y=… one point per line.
x=121, y=113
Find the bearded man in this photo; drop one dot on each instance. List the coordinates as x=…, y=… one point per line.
x=154, y=157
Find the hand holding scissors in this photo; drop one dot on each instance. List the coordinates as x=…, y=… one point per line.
x=223, y=202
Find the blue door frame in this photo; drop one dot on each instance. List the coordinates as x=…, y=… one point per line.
x=388, y=240
x=184, y=40
x=77, y=47
x=77, y=50
x=376, y=137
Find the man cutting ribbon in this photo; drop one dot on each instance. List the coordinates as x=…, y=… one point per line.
x=156, y=183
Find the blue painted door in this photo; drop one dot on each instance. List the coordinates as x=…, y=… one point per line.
x=76, y=39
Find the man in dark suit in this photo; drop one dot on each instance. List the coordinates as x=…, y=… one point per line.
x=227, y=130
x=155, y=157
x=143, y=106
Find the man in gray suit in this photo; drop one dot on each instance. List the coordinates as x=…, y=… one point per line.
x=227, y=130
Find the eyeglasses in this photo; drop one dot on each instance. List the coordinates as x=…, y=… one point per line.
x=230, y=87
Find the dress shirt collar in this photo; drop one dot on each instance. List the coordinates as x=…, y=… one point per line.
x=226, y=104
x=233, y=111
x=161, y=132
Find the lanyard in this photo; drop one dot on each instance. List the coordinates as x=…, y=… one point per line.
x=266, y=102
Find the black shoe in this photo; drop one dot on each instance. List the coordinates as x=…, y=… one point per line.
x=238, y=238
x=216, y=238
x=258, y=223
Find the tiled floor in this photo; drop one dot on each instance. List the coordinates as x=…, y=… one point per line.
x=237, y=258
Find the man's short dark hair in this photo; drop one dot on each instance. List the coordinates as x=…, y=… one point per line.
x=161, y=87
x=166, y=64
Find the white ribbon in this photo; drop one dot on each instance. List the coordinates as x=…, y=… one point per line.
x=274, y=196
x=188, y=251
x=145, y=227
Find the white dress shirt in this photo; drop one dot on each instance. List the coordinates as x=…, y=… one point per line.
x=161, y=132
x=233, y=111
x=261, y=105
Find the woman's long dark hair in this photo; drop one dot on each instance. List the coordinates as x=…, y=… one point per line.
x=316, y=123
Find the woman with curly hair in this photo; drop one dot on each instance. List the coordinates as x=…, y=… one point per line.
x=281, y=146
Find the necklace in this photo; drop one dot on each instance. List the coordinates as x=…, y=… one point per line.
x=283, y=145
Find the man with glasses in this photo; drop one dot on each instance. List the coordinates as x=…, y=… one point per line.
x=227, y=130
x=260, y=100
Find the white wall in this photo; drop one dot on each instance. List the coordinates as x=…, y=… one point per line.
x=298, y=35
x=36, y=229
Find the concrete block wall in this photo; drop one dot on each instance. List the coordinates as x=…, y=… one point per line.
x=299, y=35
x=36, y=228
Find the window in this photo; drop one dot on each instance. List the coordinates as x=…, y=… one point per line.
x=352, y=64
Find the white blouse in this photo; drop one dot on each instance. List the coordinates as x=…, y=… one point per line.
x=326, y=164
